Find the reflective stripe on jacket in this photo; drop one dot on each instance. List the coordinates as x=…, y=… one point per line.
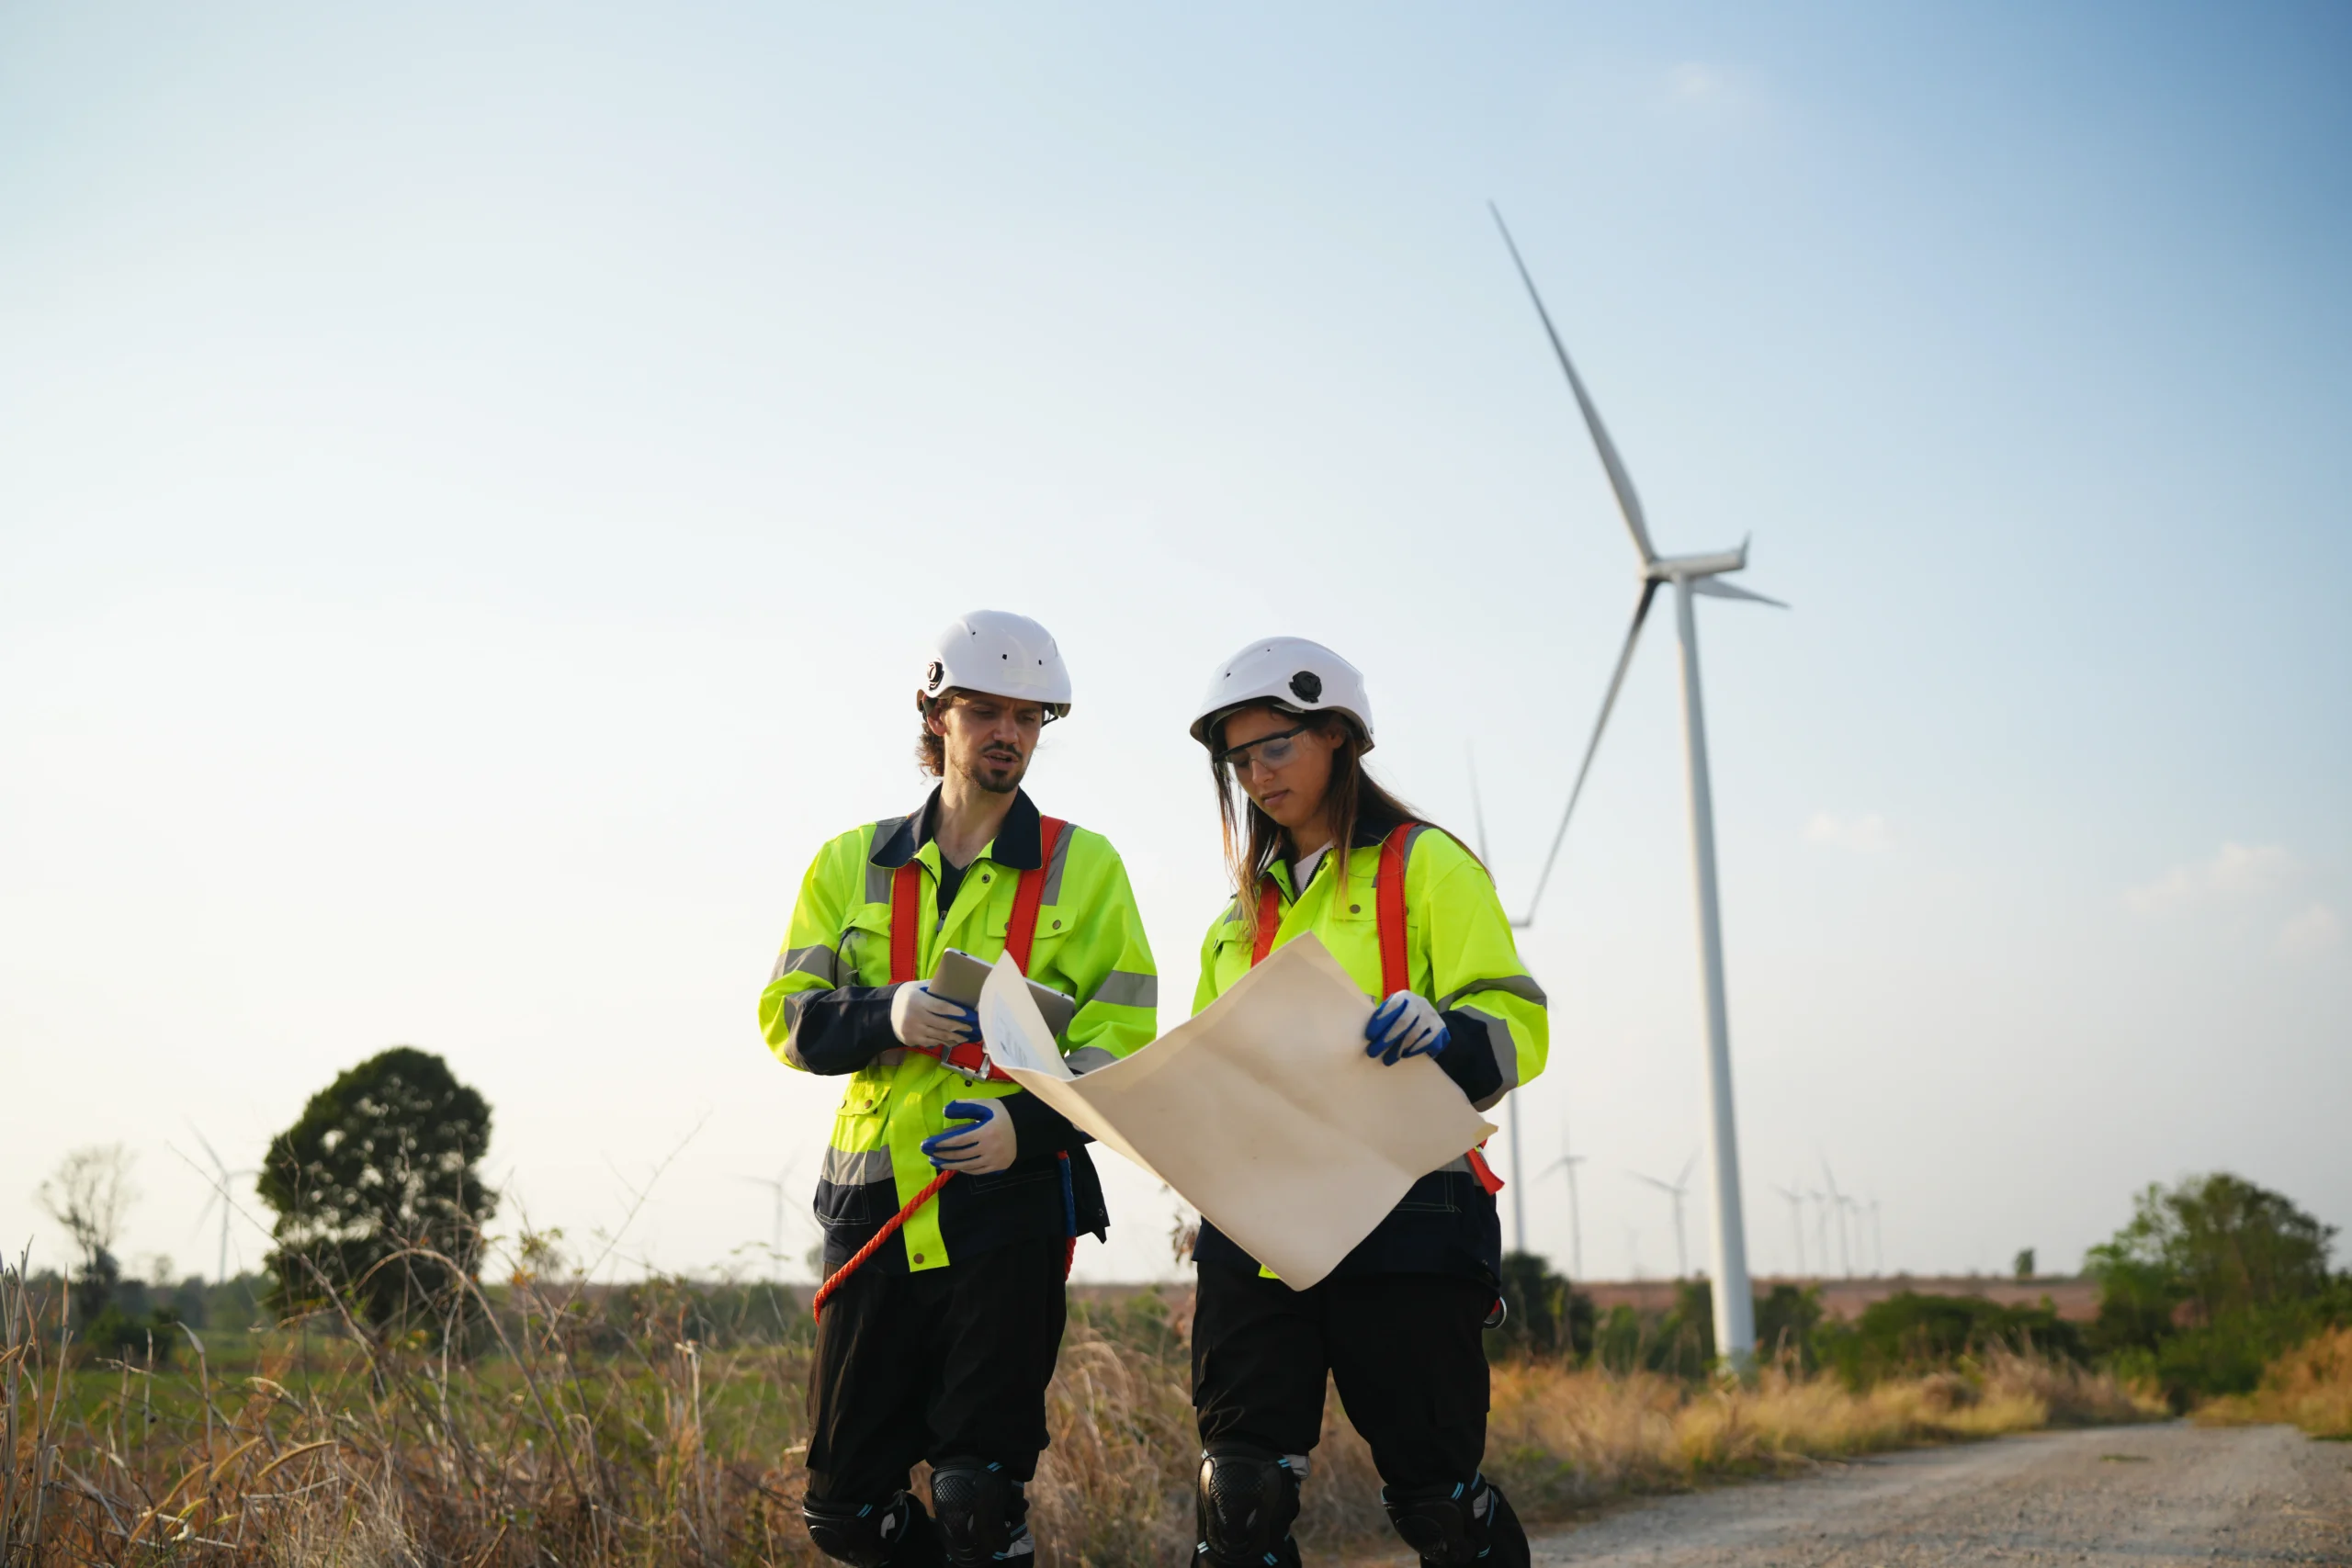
x=1460, y=949
x=827, y=1010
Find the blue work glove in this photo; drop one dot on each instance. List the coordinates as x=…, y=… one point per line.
x=979, y=1150
x=1407, y=1025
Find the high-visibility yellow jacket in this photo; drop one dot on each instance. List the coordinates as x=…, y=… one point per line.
x=827, y=1010
x=1459, y=948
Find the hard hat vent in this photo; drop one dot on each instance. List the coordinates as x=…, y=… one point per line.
x=1307, y=686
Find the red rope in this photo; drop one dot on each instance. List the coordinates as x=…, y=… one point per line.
x=840, y=1276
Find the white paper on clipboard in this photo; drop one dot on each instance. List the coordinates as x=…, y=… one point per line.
x=1262, y=1111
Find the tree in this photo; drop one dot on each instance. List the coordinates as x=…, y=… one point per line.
x=2208, y=1282
x=91, y=1196
x=376, y=1186
x=2220, y=1244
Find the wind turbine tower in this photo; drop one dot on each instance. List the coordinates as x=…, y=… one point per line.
x=1688, y=576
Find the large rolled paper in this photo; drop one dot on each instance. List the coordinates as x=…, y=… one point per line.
x=1262, y=1111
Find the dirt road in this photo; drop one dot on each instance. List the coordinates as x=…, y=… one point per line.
x=2146, y=1497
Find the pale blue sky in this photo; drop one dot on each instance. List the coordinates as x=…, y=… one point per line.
x=473, y=490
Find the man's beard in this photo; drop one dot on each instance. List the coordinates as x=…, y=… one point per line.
x=995, y=775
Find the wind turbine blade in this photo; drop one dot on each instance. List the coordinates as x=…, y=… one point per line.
x=1652, y=1181
x=1716, y=588
x=1684, y=1179
x=218, y=1163
x=1627, y=502
x=1616, y=681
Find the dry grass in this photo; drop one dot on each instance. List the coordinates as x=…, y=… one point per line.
x=356, y=1453
x=2310, y=1387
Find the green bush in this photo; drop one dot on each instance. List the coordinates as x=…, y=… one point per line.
x=1547, y=1316
x=1911, y=1333
x=2210, y=1282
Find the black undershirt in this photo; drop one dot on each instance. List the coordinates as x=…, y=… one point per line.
x=951, y=877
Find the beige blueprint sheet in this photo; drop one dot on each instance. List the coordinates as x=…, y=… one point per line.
x=1264, y=1111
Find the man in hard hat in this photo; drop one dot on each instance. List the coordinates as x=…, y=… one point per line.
x=939, y=1344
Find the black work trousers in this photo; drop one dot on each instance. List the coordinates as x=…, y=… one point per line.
x=1406, y=1351
x=945, y=1363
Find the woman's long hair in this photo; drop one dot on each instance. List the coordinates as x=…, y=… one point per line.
x=1253, y=841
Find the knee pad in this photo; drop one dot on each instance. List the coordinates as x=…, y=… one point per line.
x=1460, y=1525
x=1247, y=1500
x=983, y=1515
x=892, y=1534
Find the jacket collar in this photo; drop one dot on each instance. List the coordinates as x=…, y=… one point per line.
x=1019, y=843
x=1372, y=826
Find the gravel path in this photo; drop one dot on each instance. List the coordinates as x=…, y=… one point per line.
x=2142, y=1496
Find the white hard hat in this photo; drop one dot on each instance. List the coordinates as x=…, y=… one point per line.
x=1291, y=673
x=1001, y=654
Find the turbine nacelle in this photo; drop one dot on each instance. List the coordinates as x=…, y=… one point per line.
x=1690, y=568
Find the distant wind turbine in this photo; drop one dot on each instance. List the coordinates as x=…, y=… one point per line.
x=1734, y=1308
x=1677, y=1189
x=1878, y=1242
x=1796, y=1221
x=1568, y=1163
x=221, y=1178
x=777, y=1184
x=1839, y=1202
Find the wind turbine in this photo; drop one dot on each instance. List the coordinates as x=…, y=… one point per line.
x=1568, y=1163
x=1821, y=1228
x=1878, y=1242
x=222, y=1176
x=1735, y=1311
x=1838, y=1200
x=1796, y=1221
x=1677, y=1189
x=777, y=1185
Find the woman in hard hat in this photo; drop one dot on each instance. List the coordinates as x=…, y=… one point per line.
x=1316, y=845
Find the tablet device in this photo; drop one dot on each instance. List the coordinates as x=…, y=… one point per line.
x=961, y=976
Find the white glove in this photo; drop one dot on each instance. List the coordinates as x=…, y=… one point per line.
x=977, y=1150
x=1407, y=1025
x=920, y=1018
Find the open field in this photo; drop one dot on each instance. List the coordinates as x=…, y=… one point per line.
x=2076, y=1299
x=291, y=1448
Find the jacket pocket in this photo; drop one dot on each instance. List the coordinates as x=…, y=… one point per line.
x=865, y=946
x=856, y=1186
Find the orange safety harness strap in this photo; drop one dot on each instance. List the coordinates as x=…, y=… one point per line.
x=1395, y=964
x=971, y=1058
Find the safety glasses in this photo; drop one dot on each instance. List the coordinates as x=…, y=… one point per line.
x=1275, y=751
